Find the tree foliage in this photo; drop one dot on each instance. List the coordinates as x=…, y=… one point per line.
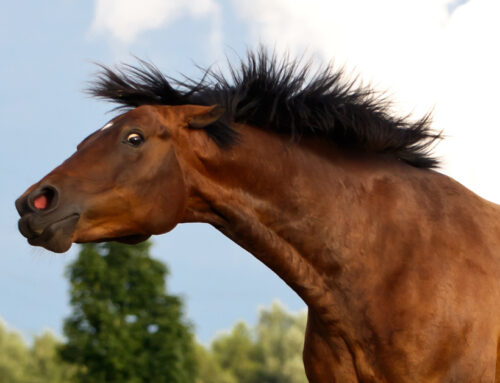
x=280, y=340
x=47, y=365
x=210, y=371
x=124, y=327
x=236, y=352
x=269, y=353
x=14, y=356
x=39, y=363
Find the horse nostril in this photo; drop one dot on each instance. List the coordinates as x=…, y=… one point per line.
x=43, y=199
x=41, y=202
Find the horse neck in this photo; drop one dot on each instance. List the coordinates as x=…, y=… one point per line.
x=291, y=205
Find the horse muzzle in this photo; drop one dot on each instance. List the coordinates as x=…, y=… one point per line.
x=45, y=221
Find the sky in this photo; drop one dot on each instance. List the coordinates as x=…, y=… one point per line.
x=439, y=55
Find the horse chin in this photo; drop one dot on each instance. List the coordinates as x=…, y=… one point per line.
x=57, y=237
x=132, y=239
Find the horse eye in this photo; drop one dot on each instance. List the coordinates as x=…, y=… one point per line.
x=135, y=139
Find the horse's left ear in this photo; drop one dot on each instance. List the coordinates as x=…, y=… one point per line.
x=206, y=116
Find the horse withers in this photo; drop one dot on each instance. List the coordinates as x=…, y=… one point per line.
x=399, y=265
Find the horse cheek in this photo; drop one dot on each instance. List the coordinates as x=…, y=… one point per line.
x=169, y=197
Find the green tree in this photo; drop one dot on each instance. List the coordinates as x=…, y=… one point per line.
x=235, y=352
x=280, y=340
x=124, y=327
x=46, y=365
x=210, y=370
x=14, y=356
x=269, y=353
x=38, y=364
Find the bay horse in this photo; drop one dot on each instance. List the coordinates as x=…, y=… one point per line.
x=398, y=264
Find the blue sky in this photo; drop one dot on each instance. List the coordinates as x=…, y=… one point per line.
x=428, y=54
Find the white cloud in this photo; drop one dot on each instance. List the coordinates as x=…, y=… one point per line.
x=423, y=55
x=124, y=20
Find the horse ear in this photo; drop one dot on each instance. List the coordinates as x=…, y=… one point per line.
x=207, y=117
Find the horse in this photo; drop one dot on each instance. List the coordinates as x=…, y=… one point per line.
x=318, y=178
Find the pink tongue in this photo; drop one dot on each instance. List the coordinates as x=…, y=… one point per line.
x=41, y=202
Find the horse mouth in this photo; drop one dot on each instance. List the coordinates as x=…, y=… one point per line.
x=56, y=236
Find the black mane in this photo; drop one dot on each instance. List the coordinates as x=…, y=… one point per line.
x=280, y=95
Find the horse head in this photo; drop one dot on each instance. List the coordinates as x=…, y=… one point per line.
x=123, y=183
